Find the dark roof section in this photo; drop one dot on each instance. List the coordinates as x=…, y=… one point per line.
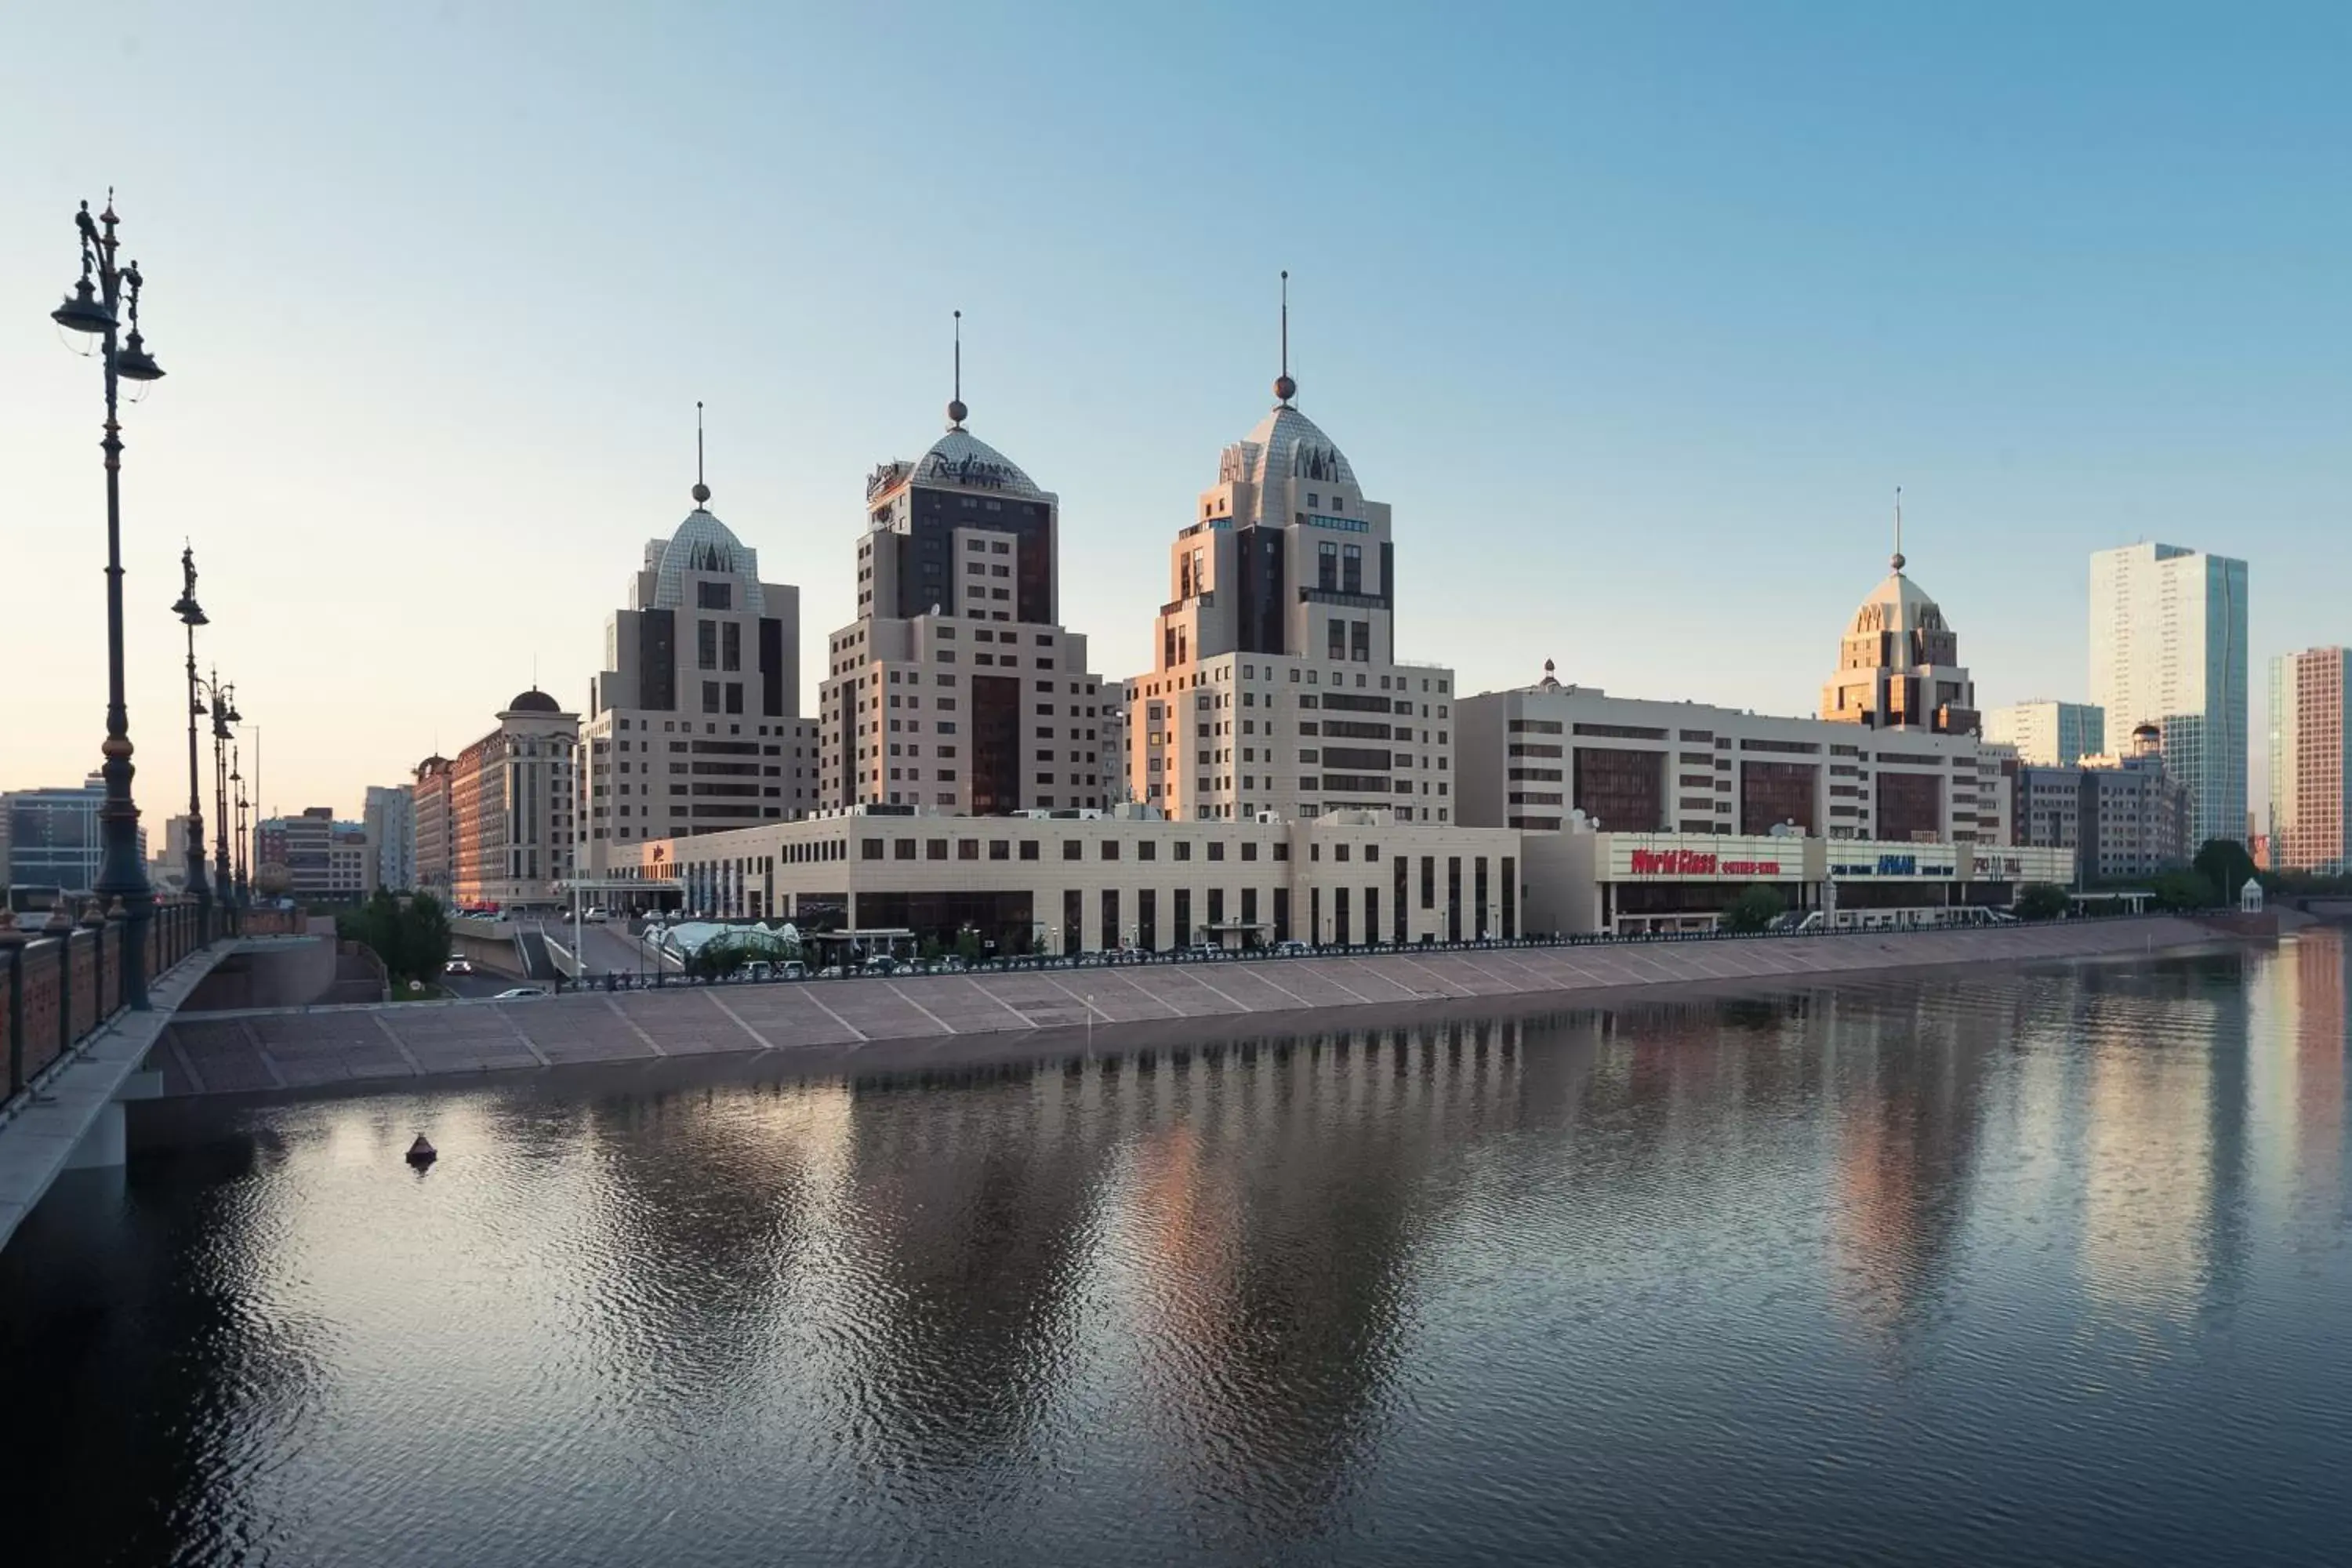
x=534, y=701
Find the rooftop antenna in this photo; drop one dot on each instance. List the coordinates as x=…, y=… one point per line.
x=1898, y=528
x=956, y=410
x=701, y=490
x=1284, y=389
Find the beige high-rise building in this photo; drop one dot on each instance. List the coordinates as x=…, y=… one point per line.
x=1899, y=663
x=437, y=859
x=694, y=725
x=2310, y=760
x=1276, y=687
x=958, y=688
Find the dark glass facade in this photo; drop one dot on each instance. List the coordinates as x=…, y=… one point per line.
x=1910, y=805
x=1624, y=790
x=995, y=737
x=1774, y=793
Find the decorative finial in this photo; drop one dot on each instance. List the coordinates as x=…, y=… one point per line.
x=1284, y=389
x=1898, y=528
x=701, y=490
x=956, y=410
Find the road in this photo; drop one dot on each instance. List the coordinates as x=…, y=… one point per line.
x=608, y=949
x=481, y=983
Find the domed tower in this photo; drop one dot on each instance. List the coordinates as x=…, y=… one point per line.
x=1282, y=593
x=957, y=690
x=701, y=678
x=1899, y=662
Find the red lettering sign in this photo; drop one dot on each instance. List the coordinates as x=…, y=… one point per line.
x=1672, y=863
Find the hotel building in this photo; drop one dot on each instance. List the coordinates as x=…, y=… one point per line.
x=1277, y=688
x=2047, y=734
x=694, y=725
x=2310, y=760
x=958, y=688
x=2168, y=648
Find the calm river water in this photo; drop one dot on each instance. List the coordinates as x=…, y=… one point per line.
x=2009, y=1267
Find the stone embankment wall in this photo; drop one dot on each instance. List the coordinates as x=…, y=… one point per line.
x=849, y=1022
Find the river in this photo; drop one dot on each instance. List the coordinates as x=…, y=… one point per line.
x=2015, y=1266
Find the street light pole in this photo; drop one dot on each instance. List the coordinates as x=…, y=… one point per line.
x=192, y=615
x=237, y=777
x=224, y=714
x=100, y=313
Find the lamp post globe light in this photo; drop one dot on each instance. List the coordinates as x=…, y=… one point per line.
x=192, y=615
x=101, y=304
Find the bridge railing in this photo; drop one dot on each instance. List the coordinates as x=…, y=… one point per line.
x=61, y=982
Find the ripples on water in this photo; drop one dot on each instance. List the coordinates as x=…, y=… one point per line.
x=2016, y=1268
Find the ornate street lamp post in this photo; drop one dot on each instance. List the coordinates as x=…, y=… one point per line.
x=237, y=777
x=106, y=298
x=222, y=709
x=192, y=615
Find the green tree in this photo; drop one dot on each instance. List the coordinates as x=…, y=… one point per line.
x=423, y=936
x=2225, y=866
x=1757, y=907
x=2183, y=890
x=2042, y=902
x=967, y=944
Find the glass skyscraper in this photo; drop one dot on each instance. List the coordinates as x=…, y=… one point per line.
x=2168, y=648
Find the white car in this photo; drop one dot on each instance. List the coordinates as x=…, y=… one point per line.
x=458, y=966
x=597, y=917
x=522, y=993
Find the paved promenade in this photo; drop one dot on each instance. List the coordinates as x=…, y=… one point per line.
x=846, y=1021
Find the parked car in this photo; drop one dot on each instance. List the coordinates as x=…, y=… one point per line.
x=522, y=993
x=458, y=966
x=597, y=916
x=830, y=972
x=1290, y=949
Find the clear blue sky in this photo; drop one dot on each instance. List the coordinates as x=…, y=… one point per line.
x=1635, y=315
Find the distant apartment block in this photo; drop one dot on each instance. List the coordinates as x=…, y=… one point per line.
x=2049, y=734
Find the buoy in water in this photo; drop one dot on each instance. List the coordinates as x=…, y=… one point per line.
x=421, y=1151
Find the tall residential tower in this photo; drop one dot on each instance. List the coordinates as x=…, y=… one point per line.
x=2168, y=648
x=2310, y=760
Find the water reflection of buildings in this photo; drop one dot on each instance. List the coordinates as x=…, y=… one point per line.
x=2164, y=1136
x=1277, y=1218
x=2301, y=1088
x=1908, y=1080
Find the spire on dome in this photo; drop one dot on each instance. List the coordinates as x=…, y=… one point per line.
x=1284, y=389
x=956, y=410
x=701, y=492
x=1897, y=562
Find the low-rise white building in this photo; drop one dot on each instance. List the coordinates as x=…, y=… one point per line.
x=1086, y=882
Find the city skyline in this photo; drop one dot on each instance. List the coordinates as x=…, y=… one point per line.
x=1635, y=430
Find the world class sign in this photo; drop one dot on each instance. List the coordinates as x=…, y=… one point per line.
x=1698, y=863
